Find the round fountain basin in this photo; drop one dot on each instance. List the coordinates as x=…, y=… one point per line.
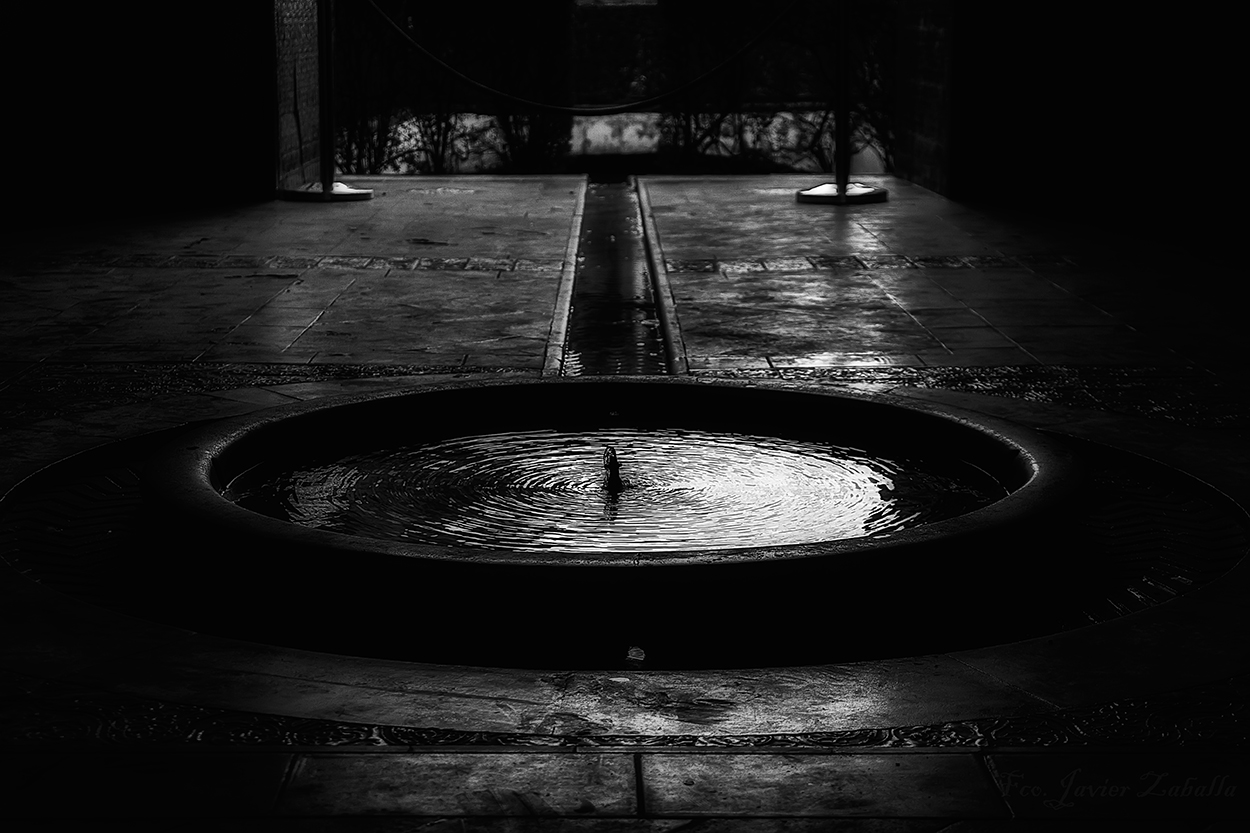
x=548, y=491
x=490, y=496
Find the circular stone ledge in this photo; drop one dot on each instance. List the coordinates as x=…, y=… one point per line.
x=703, y=608
x=61, y=636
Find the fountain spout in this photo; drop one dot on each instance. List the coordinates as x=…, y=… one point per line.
x=612, y=467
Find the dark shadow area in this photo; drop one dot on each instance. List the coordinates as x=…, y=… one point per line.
x=126, y=110
x=1057, y=111
x=1108, y=119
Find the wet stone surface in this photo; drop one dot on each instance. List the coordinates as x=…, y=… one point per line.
x=1210, y=716
x=47, y=390
x=1181, y=395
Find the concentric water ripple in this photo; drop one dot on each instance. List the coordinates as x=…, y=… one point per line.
x=541, y=491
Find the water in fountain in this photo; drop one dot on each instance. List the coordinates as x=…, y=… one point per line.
x=680, y=490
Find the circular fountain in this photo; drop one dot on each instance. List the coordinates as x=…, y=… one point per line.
x=569, y=522
x=563, y=492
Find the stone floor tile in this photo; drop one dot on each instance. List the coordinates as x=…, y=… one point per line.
x=147, y=352
x=1126, y=355
x=959, y=356
x=178, y=784
x=922, y=296
x=940, y=261
x=886, y=261
x=941, y=247
x=690, y=265
x=139, y=417
x=850, y=243
x=18, y=316
x=260, y=334
x=344, y=262
x=442, y=263
x=239, y=261
x=279, y=315
x=976, y=285
x=791, y=825
x=817, y=699
x=837, y=359
x=539, y=824
x=402, y=264
x=739, y=266
x=489, y=264
x=1061, y=338
x=315, y=289
x=261, y=353
x=40, y=341
x=292, y=262
x=835, y=261
x=462, y=784
x=337, y=387
x=724, y=362
x=255, y=396
x=514, y=824
x=978, y=337
x=382, y=355
x=95, y=311
x=752, y=785
x=1091, y=287
x=530, y=361
x=787, y=264
x=935, y=319
x=538, y=265
x=1059, y=312
x=1043, y=259
x=147, y=331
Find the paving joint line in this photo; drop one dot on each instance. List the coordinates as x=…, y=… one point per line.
x=553, y=355
x=666, y=307
x=640, y=789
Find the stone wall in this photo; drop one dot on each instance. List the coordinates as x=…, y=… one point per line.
x=298, y=139
x=923, y=93
x=129, y=108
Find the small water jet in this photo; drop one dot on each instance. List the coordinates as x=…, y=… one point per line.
x=612, y=471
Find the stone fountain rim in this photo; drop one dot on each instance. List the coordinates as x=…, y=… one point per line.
x=181, y=479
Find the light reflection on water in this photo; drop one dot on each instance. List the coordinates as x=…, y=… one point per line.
x=543, y=491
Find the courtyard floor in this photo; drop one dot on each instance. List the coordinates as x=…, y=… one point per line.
x=114, y=331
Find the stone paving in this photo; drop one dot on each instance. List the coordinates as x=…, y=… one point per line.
x=113, y=332
x=761, y=281
x=434, y=275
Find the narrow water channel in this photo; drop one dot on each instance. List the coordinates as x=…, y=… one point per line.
x=613, y=327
